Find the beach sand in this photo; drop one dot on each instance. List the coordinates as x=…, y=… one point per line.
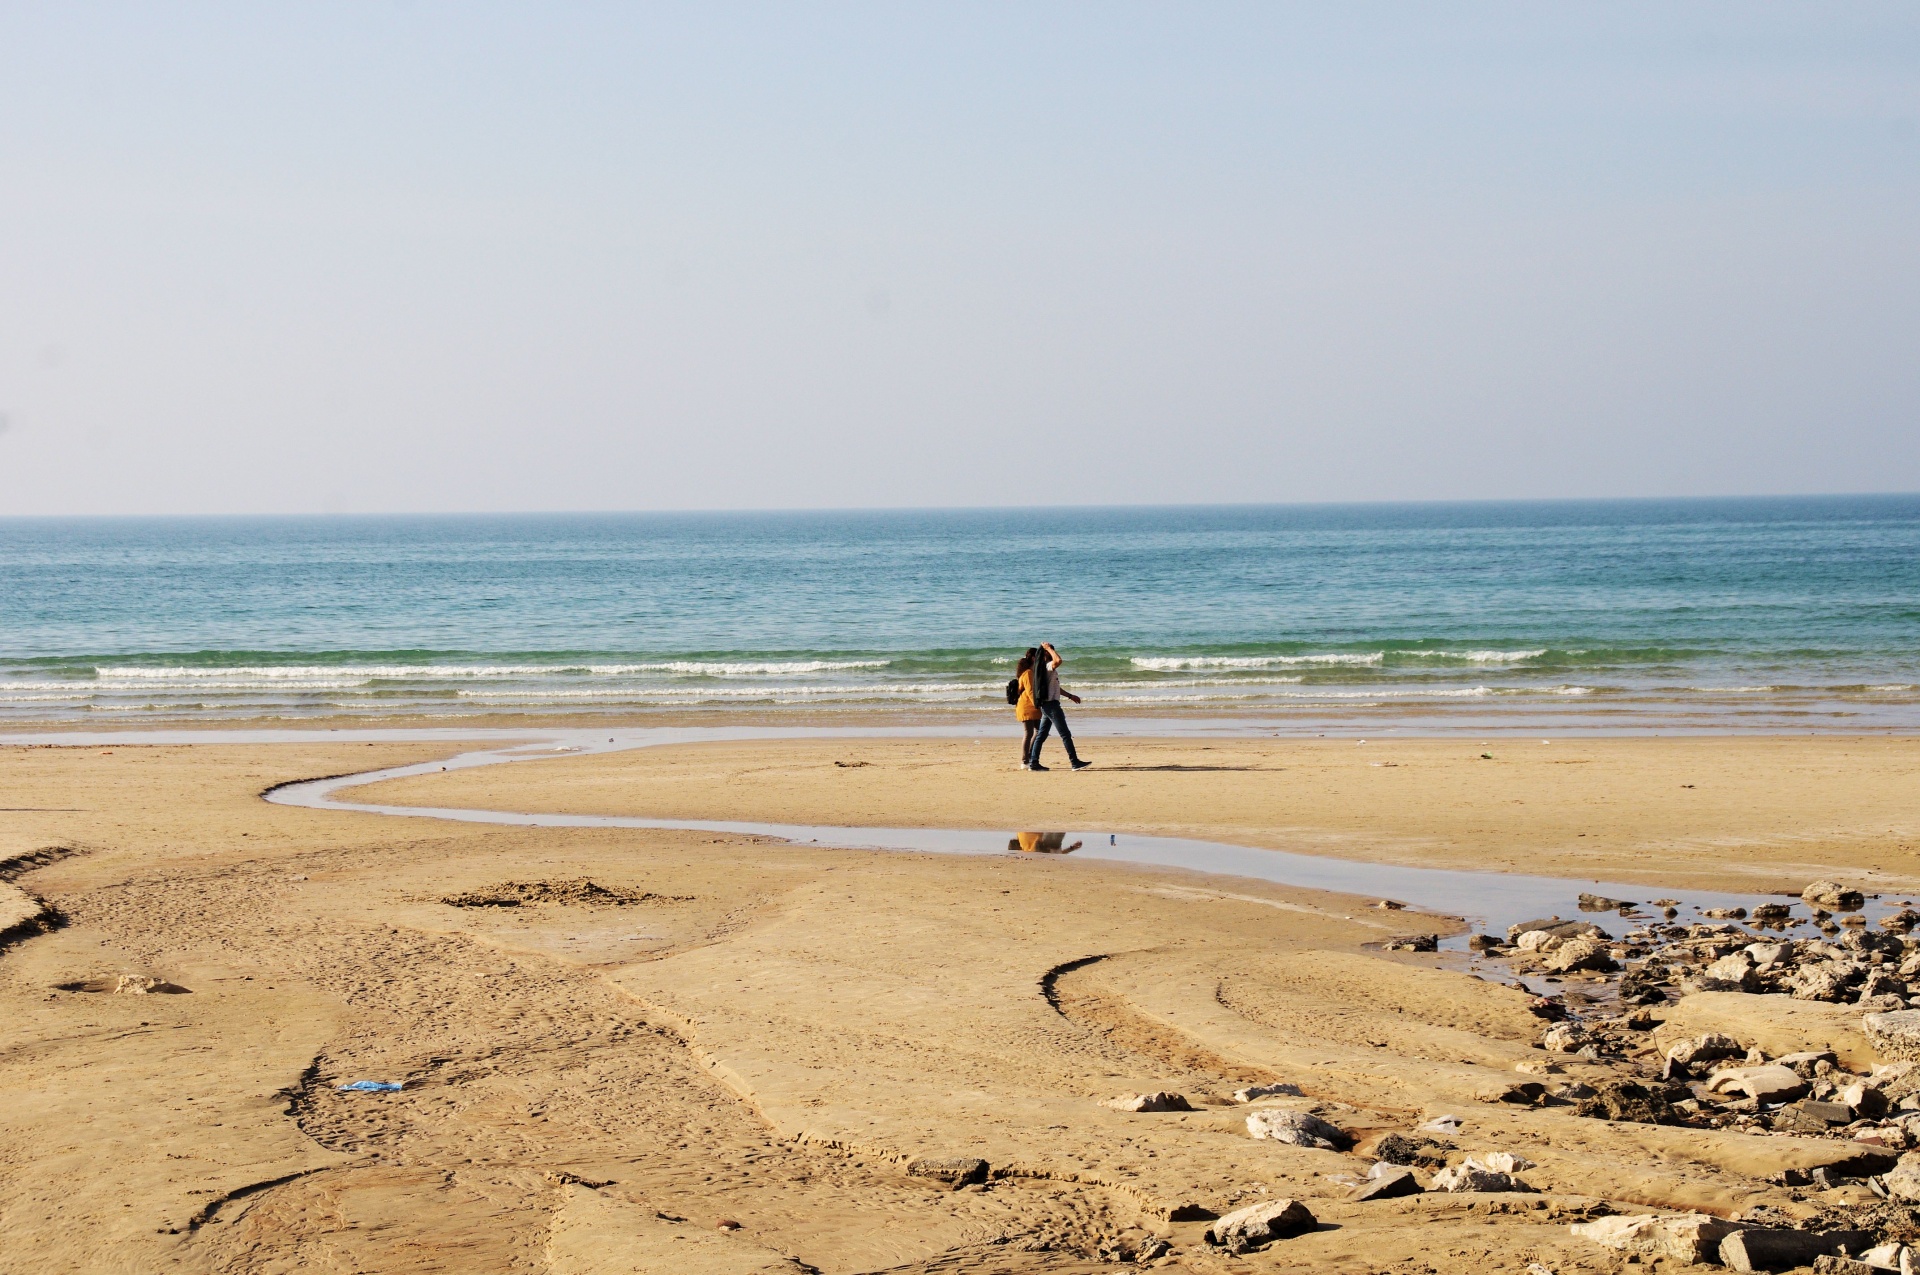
x=721, y=1028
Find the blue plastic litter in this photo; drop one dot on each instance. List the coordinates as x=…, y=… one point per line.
x=373, y=1086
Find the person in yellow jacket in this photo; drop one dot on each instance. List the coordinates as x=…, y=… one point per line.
x=1025, y=711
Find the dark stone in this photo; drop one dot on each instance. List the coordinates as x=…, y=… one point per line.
x=1412, y=943
x=1628, y=1101
x=1811, y=1117
x=1402, y=1149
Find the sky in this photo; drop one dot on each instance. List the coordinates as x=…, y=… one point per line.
x=423, y=257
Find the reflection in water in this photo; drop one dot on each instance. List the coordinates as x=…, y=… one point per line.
x=1043, y=843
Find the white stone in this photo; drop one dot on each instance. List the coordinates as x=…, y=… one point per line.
x=1687, y=1238
x=1260, y=1224
x=1299, y=1128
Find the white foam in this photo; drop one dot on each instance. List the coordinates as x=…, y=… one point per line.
x=347, y=674
x=1478, y=657
x=1175, y=663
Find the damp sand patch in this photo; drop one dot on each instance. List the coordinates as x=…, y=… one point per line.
x=576, y=892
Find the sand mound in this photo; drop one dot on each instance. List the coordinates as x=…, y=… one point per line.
x=578, y=892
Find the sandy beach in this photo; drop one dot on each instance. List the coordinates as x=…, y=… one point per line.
x=615, y=1043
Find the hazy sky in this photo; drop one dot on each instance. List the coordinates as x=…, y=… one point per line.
x=450, y=257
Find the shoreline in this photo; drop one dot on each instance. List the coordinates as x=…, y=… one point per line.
x=1448, y=723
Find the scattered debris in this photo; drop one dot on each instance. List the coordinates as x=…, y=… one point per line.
x=373, y=1086
x=579, y=892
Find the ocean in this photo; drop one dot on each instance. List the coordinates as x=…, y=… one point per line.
x=1746, y=614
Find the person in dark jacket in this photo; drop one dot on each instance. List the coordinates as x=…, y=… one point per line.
x=1047, y=694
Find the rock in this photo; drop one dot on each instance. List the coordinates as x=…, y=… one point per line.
x=1260, y=1224
x=1539, y=941
x=1777, y=1024
x=1565, y=1038
x=958, y=1170
x=1766, y=955
x=1772, y=911
x=1882, y=983
x=1558, y=928
x=1903, y=920
x=1805, y=1063
x=1402, y=1149
x=1506, y=1162
x=1887, y=1255
x=1470, y=1175
x=1844, y=1266
x=1151, y=1102
x=1688, y=1238
x=1581, y=954
x=1895, y=1034
x=1902, y=1182
x=1862, y=1100
x=1601, y=903
x=1299, y=1128
x=1484, y=943
x=1387, y=1182
x=1779, y=1249
x=1412, y=943
x=1724, y=914
x=1391, y=905
x=1830, y=894
x=1538, y=1067
x=1629, y=1101
x=1706, y=1048
x=1523, y=1094
x=1252, y=1092
x=143, y=985
x=1769, y=1082
x=1811, y=1117
x=1736, y=970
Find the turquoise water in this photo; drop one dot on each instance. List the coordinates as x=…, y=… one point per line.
x=1797, y=613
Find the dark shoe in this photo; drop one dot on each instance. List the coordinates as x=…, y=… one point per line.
x=1034, y=765
x=1081, y=765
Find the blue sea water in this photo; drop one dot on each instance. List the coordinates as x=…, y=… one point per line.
x=1796, y=613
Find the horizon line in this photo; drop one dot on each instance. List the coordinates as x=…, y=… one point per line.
x=1089, y=507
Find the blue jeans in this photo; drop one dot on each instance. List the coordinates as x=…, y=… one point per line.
x=1052, y=718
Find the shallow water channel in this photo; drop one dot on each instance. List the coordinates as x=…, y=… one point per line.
x=1489, y=901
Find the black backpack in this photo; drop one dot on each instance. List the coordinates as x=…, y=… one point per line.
x=1013, y=691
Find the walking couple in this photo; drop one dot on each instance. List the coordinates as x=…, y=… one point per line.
x=1036, y=696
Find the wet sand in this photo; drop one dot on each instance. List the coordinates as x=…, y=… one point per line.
x=722, y=1028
